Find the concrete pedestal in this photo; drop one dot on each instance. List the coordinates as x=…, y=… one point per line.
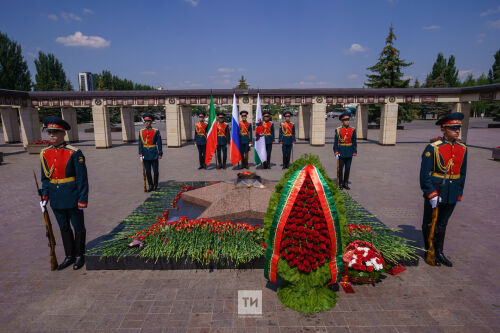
x=30, y=124
x=128, y=127
x=304, y=123
x=69, y=115
x=11, y=133
x=463, y=107
x=388, y=124
x=173, y=124
x=186, y=126
x=318, y=124
x=102, y=125
x=362, y=121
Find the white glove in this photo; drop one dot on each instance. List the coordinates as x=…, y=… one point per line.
x=434, y=201
x=81, y=208
x=337, y=156
x=141, y=158
x=43, y=205
x=250, y=145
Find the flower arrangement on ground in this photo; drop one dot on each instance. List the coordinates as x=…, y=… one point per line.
x=304, y=228
x=363, y=261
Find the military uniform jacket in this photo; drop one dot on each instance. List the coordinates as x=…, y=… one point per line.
x=245, y=133
x=200, y=134
x=435, y=158
x=64, y=177
x=222, y=134
x=150, y=143
x=345, y=142
x=287, y=133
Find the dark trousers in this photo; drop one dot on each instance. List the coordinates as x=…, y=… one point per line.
x=201, y=154
x=148, y=164
x=287, y=152
x=244, y=149
x=222, y=155
x=73, y=215
x=344, y=169
x=444, y=214
x=269, y=149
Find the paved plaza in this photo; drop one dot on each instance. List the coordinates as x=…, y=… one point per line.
x=465, y=298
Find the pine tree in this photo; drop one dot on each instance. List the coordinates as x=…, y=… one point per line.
x=416, y=84
x=438, y=68
x=469, y=81
x=242, y=83
x=388, y=68
x=14, y=73
x=50, y=74
x=451, y=75
x=495, y=69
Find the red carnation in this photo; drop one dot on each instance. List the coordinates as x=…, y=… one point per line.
x=369, y=269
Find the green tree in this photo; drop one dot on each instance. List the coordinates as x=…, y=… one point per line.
x=387, y=73
x=108, y=81
x=469, y=81
x=495, y=69
x=451, y=75
x=50, y=74
x=14, y=73
x=242, y=83
x=416, y=84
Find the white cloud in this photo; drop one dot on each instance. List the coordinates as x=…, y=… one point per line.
x=493, y=24
x=79, y=39
x=148, y=73
x=431, y=27
x=480, y=38
x=241, y=69
x=193, y=3
x=70, y=16
x=310, y=78
x=53, y=17
x=355, y=48
x=306, y=84
x=352, y=76
x=87, y=11
x=225, y=70
x=465, y=72
x=31, y=54
x=490, y=11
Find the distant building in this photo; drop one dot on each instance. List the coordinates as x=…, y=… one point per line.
x=86, y=81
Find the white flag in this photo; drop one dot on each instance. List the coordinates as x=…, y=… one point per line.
x=260, y=154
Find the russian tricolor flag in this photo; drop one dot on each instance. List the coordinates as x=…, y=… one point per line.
x=234, y=152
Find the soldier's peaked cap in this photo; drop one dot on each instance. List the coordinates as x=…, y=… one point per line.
x=345, y=115
x=55, y=123
x=452, y=119
x=147, y=116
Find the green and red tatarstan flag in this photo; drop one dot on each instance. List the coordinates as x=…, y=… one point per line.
x=211, y=133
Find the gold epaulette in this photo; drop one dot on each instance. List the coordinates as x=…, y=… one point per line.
x=71, y=147
x=436, y=143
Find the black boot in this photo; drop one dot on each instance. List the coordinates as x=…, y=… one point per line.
x=69, y=249
x=80, y=250
x=224, y=162
x=440, y=234
x=340, y=180
x=155, y=186
x=219, y=160
x=346, y=180
x=246, y=161
x=150, y=182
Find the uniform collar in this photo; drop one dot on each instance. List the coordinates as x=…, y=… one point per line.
x=62, y=145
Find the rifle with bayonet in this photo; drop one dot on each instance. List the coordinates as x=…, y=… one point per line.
x=49, y=233
x=144, y=175
x=430, y=258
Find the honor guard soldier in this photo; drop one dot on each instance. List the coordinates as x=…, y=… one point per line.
x=287, y=138
x=222, y=141
x=200, y=138
x=442, y=179
x=344, y=148
x=245, y=138
x=150, y=150
x=268, y=128
x=65, y=184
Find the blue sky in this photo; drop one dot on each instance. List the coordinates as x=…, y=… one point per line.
x=183, y=44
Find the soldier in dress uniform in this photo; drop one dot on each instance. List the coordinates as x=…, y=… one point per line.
x=223, y=138
x=65, y=184
x=200, y=138
x=445, y=158
x=245, y=138
x=287, y=138
x=345, y=147
x=150, y=150
x=268, y=128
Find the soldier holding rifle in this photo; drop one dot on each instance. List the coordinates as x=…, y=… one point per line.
x=442, y=179
x=65, y=184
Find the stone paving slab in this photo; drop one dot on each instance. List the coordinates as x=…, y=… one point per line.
x=464, y=298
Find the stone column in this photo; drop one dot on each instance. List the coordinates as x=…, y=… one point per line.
x=10, y=125
x=173, y=124
x=362, y=121
x=388, y=124
x=69, y=115
x=186, y=119
x=102, y=125
x=128, y=126
x=304, y=125
x=463, y=107
x=248, y=108
x=30, y=124
x=318, y=124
